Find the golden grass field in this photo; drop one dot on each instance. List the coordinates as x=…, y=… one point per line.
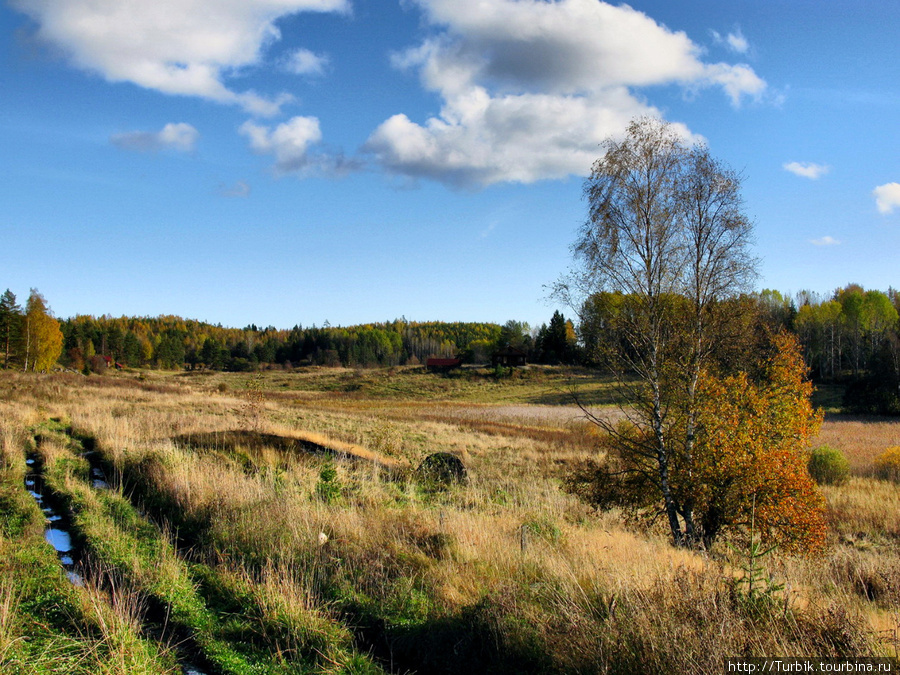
x=344, y=562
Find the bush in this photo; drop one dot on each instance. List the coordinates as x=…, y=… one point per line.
x=828, y=466
x=887, y=464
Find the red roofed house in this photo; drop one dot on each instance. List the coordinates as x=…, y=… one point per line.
x=442, y=365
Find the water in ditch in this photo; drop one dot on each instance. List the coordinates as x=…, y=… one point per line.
x=58, y=531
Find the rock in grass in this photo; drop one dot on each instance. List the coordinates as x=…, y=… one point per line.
x=442, y=470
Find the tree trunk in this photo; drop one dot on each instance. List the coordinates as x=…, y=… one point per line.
x=662, y=460
x=27, y=341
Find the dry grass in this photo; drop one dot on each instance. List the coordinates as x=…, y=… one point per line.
x=506, y=566
x=10, y=632
x=861, y=439
x=865, y=508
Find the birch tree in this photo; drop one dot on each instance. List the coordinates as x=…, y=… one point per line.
x=667, y=234
x=43, y=340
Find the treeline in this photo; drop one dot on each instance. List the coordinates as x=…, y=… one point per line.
x=173, y=342
x=854, y=336
x=31, y=338
x=850, y=337
x=92, y=344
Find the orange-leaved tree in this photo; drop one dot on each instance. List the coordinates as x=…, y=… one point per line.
x=748, y=460
x=751, y=457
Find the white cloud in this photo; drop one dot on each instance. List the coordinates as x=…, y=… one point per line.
x=479, y=140
x=486, y=232
x=530, y=89
x=288, y=142
x=735, y=41
x=305, y=62
x=887, y=197
x=824, y=241
x=174, y=136
x=292, y=143
x=184, y=47
x=559, y=47
x=807, y=169
x=240, y=189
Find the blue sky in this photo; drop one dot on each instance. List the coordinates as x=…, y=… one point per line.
x=300, y=161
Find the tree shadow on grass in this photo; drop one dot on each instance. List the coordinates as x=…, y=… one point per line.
x=586, y=392
x=244, y=440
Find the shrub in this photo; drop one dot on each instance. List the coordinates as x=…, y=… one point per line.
x=328, y=489
x=887, y=464
x=828, y=466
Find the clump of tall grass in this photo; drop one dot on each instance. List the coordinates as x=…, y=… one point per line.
x=887, y=464
x=118, y=613
x=10, y=631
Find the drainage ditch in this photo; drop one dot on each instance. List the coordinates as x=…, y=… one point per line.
x=61, y=534
x=59, y=526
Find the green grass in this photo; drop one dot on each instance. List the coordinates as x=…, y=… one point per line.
x=829, y=397
x=46, y=624
x=534, y=384
x=225, y=615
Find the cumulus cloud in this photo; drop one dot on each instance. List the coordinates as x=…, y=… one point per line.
x=288, y=142
x=735, y=41
x=305, y=62
x=174, y=136
x=292, y=143
x=824, y=241
x=479, y=140
x=887, y=197
x=184, y=47
x=807, y=169
x=530, y=88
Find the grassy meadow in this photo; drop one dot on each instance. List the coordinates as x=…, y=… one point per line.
x=276, y=523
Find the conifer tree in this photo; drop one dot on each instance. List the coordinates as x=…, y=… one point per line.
x=10, y=324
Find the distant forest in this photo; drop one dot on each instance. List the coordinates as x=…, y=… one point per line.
x=851, y=336
x=91, y=344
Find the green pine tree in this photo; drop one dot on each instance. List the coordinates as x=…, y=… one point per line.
x=10, y=325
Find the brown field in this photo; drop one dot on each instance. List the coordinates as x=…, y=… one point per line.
x=507, y=572
x=861, y=439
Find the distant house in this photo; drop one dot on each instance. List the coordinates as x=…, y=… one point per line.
x=442, y=365
x=509, y=356
x=110, y=362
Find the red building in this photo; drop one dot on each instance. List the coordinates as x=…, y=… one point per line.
x=442, y=365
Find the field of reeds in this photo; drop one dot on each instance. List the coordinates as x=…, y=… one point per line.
x=278, y=523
